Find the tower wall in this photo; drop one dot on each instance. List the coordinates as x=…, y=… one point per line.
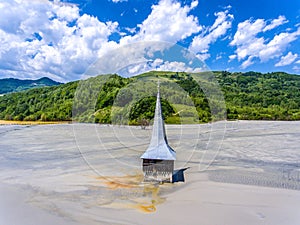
x=158, y=170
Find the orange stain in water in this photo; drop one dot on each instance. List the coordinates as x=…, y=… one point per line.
x=146, y=208
x=127, y=181
x=148, y=198
x=153, y=191
x=116, y=185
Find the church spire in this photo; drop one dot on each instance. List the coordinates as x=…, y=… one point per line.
x=159, y=147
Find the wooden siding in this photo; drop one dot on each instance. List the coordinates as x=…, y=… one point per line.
x=158, y=170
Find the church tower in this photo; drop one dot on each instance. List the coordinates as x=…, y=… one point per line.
x=159, y=157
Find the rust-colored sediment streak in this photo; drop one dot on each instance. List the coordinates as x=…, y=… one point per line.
x=144, y=197
x=116, y=185
x=156, y=199
x=146, y=208
x=127, y=181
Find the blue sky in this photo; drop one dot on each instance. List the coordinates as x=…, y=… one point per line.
x=61, y=39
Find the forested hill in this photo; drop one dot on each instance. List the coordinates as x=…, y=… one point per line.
x=249, y=96
x=252, y=95
x=8, y=85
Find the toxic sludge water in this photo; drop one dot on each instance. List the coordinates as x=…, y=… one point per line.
x=131, y=192
x=93, y=174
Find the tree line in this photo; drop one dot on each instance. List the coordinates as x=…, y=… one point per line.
x=248, y=96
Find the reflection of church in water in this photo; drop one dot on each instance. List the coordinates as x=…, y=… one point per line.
x=158, y=159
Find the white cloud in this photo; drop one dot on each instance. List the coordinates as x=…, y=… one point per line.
x=194, y=4
x=170, y=66
x=116, y=1
x=247, y=31
x=275, y=23
x=296, y=69
x=287, y=60
x=219, y=56
x=51, y=38
x=131, y=30
x=249, y=45
x=278, y=45
x=159, y=65
x=203, y=56
x=298, y=62
x=201, y=43
x=141, y=57
x=157, y=62
x=137, y=69
x=232, y=57
x=177, y=67
x=168, y=21
x=41, y=38
x=65, y=12
x=247, y=62
x=250, y=49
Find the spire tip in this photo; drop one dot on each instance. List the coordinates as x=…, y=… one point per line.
x=158, y=85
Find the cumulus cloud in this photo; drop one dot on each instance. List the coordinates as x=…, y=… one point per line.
x=54, y=39
x=168, y=21
x=51, y=38
x=174, y=66
x=162, y=65
x=278, y=45
x=247, y=31
x=65, y=12
x=249, y=45
x=159, y=65
x=275, y=23
x=203, y=56
x=201, y=43
x=247, y=62
x=44, y=38
x=287, y=59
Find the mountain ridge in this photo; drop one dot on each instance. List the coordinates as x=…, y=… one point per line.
x=9, y=85
x=248, y=96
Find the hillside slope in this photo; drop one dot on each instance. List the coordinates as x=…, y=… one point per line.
x=248, y=96
x=8, y=85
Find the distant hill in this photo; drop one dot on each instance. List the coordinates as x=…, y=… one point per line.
x=248, y=96
x=8, y=85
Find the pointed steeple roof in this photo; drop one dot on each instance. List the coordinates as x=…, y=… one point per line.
x=159, y=147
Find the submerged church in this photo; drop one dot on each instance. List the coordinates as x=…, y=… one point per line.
x=158, y=159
